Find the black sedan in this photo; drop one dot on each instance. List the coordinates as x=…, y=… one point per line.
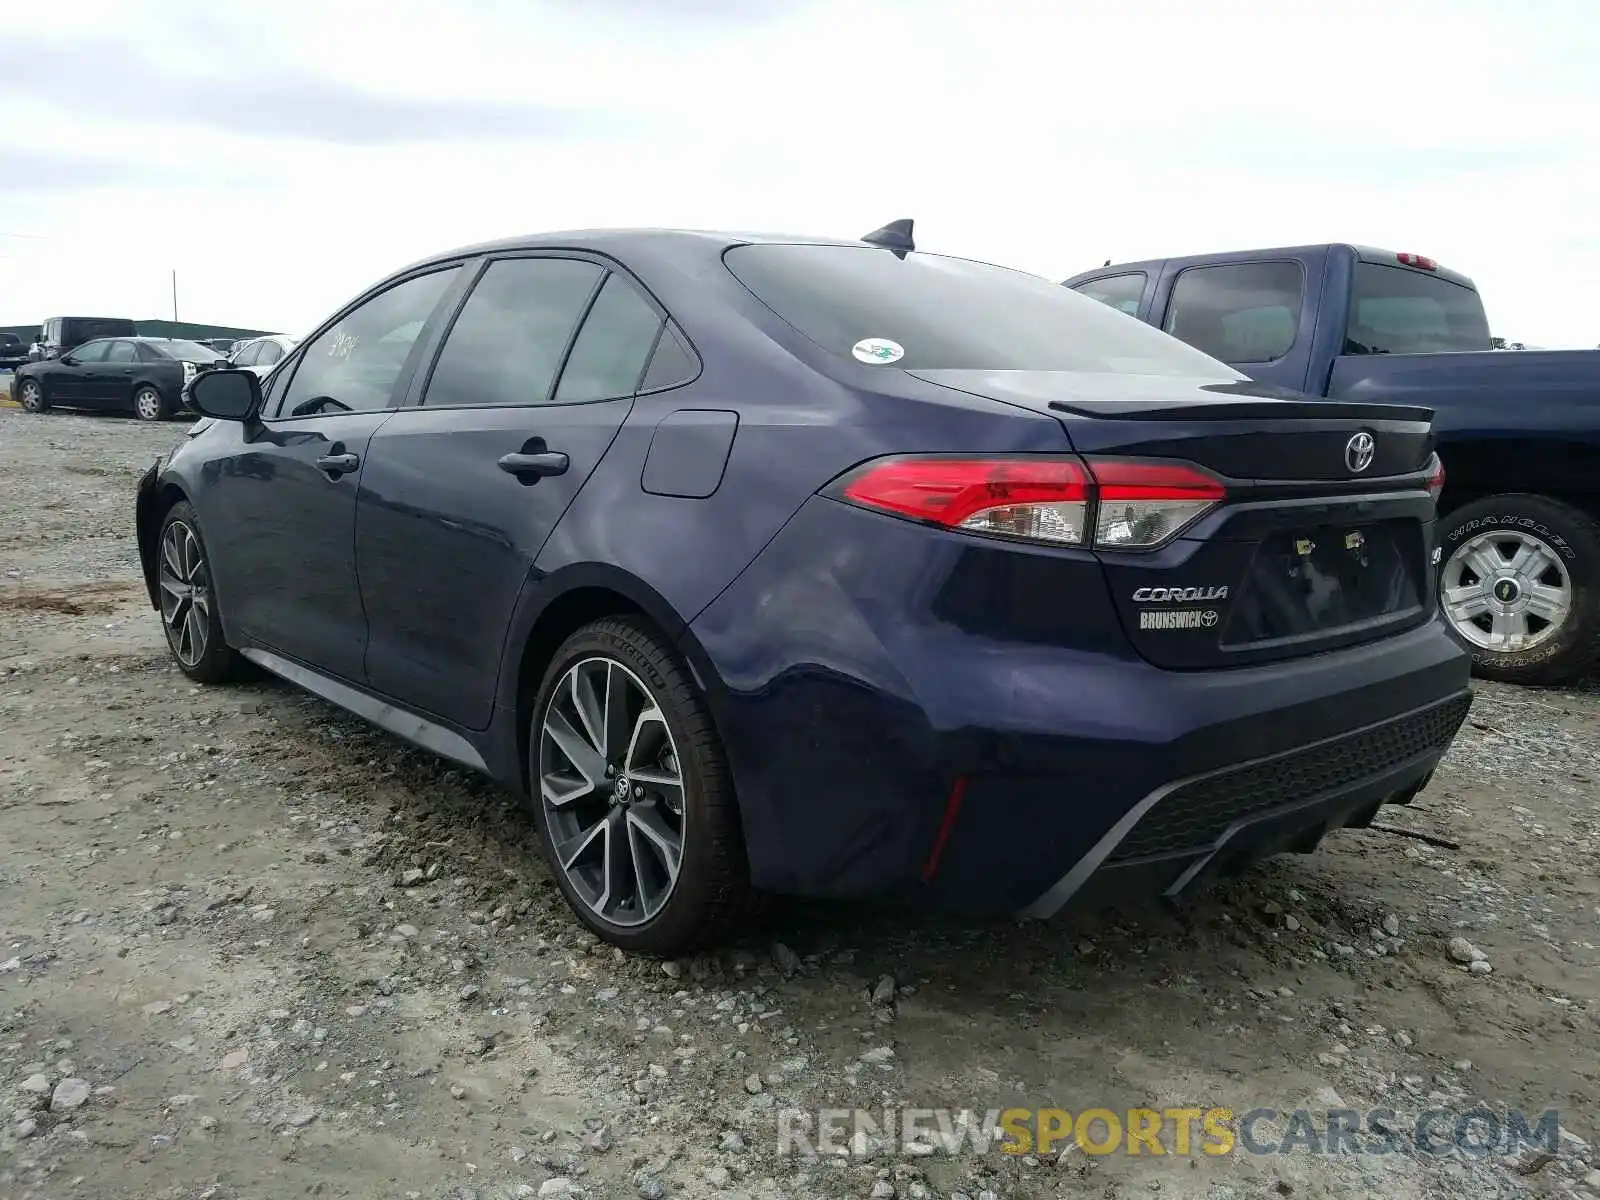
x=142, y=375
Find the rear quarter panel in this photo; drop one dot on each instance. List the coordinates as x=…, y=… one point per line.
x=796, y=431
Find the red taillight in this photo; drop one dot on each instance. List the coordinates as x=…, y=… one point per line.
x=1137, y=504
x=1418, y=261
x=1042, y=499
x=1436, y=477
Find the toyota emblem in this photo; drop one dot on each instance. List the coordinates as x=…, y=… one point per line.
x=1358, y=452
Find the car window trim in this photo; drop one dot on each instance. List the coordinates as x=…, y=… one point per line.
x=408, y=371
x=1299, y=320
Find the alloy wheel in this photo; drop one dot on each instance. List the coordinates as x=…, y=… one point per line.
x=31, y=397
x=1505, y=591
x=147, y=403
x=185, y=593
x=613, y=791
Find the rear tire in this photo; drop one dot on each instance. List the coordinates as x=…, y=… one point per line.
x=646, y=769
x=1520, y=588
x=189, y=613
x=31, y=396
x=149, y=404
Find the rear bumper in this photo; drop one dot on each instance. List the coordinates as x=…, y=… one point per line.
x=1183, y=833
x=886, y=739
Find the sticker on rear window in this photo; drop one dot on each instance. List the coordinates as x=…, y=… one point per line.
x=878, y=350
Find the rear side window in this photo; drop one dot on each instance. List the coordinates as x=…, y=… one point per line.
x=1238, y=312
x=1121, y=292
x=673, y=362
x=507, y=344
x=929, y=312
x=121, y=352
x=612, y=348
x=1394, y=310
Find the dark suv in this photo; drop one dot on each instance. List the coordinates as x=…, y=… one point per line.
x=833, y=568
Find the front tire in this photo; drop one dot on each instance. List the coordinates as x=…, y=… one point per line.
x=149, y=404
x=31, y=396
x=189, y=613
x=1520, y=588
x=632, y=794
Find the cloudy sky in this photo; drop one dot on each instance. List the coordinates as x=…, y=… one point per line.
x=282, y=156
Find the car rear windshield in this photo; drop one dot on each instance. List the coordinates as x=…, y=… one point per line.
x=185, y=351
x=928, y=312
x=1395, y=310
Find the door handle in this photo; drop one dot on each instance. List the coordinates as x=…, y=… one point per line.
x=530, y=468
x=338, y=464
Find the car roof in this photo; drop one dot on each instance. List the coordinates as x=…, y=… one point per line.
x=623, y=243
x=1370, y=254
x=136, y=337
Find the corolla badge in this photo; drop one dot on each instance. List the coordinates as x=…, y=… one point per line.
x=1358, y=452
x=1170, y=595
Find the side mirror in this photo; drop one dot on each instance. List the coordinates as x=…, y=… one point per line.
x=228, y=395
x=67, y=360
x=221, y=364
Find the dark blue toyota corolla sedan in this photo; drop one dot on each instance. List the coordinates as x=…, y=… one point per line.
x=776, y=565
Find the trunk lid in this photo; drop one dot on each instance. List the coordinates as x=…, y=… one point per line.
x=1305, y=554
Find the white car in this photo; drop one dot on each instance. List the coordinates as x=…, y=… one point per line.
x=263, y=353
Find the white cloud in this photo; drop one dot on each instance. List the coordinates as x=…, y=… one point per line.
x=284, y=156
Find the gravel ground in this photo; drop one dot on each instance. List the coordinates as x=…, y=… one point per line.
x=212, y=983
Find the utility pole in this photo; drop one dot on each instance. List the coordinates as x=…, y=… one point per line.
x=174, y=295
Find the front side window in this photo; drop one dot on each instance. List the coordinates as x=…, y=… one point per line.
x=1238, y=312
x=268, y=353
x=1394, y=310
x=354, y=365
x=89, y=352
x=1121, y=292
x=609, y=356
x=247, y=356
x=507, y=344
x=929, y=312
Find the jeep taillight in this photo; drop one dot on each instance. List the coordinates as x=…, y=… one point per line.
x=1050, y=499
x=1436, y=477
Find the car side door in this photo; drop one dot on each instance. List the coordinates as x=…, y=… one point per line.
x=282, y=501
x=72, y=376
x=113, y=380
x=533, y=379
